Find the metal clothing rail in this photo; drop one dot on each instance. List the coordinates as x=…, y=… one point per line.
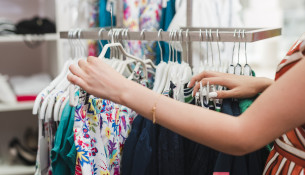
x=193, y=34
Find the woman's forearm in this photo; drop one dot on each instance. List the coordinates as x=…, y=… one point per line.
x=190, y=121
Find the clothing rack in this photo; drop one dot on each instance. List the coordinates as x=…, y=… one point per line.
x=193, y=34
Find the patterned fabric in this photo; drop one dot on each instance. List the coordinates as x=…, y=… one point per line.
x=101, y=128
x=288, y=153
x=140, y=15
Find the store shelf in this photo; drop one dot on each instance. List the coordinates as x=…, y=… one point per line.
x=16, y=107
x=16, y=170
x=21, y=38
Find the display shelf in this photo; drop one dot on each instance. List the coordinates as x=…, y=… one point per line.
x=16, y=169
x=21, y=38
x=16, y=107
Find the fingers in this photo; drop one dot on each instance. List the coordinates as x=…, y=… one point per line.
x=91, y=59
x=221, y=94
x=77, y=81
x=76, y=70
x=82, y=64
x=212, y=81
x=226, y=94
x=205, y=74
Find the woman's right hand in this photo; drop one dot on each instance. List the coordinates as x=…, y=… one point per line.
x=98, y=79
x=239, y=86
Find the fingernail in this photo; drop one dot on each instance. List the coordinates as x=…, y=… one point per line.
x=188, y=84
x=213, y=94
x=192, y=94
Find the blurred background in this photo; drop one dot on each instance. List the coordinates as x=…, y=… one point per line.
x=32, y=54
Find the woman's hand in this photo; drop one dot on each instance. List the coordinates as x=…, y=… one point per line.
x=239, y=86
x=98, y=79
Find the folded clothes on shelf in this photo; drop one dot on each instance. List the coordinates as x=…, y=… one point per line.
x=27, y=88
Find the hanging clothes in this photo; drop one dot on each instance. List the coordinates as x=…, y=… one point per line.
x=101, y=128
x=286, y=156
x=105, y=20
x=139, y=15
x=167, y=15
x=63, y=154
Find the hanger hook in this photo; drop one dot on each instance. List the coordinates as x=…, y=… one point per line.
x=81, y=44
x=234, y=35
x=175, y=46
x=169, y=46
x=118, y=32
x=239, y=37
x=142, y=38
x=172, y=46
x=187, y=44
x=110, y=34
x=244, y=37
x=159, y=37
x=70, y=35
x=180, y=40
x=126, y=38
x=211, y=46
x=200, y=45
x=111, y=17
x=218, y=38
x=100, y=37
x=75, y=43
x=207, y=44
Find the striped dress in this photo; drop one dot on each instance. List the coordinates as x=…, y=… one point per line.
x=288, y=153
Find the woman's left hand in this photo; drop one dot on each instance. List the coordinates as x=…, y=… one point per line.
x=99, y=79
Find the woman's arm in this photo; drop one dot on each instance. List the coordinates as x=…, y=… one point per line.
x=279, y=109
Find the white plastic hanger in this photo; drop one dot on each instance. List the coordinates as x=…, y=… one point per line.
x=160, y=70
x=186, y=71
x=47, y=106
x=167, y=77
x=247, y=67
x=41, y=96
x=125, y=68
x=231, y=68
x=167, y=69
x=184, y=75
x=62, y=100
x=238, y=68
x=148, y=62
x=73, y=102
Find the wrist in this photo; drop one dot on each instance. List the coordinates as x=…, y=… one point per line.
x=266, y=82
x=126, y=92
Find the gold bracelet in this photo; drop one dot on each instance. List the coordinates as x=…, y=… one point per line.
x=154, y=110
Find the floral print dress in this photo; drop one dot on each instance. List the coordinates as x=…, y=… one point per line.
x=100, y=131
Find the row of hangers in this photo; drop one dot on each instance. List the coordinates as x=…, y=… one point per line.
x=202, y=97
x=52, y=100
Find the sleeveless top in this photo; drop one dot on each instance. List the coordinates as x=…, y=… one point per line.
x=288, y=154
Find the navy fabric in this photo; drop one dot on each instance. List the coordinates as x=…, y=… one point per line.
x=130, y=145
x=199, y=159
x=250, y=164
x=143, y=150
